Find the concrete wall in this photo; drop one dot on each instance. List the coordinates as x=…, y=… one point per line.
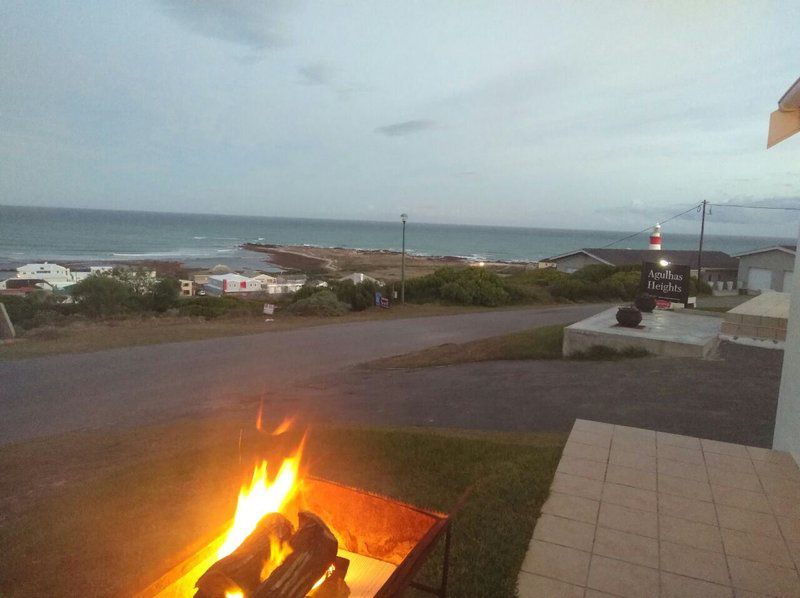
x=787, y=419
x=775, y=260
x=575, y=262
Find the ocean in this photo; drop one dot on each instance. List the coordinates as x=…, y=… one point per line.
x=202, y=240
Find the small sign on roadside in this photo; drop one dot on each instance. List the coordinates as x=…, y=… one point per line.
x=385, y=302
x=269, y=309
x=670, y=281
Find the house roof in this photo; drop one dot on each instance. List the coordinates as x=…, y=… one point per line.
x=229, y=277
x=628, y=257
x=790, y=249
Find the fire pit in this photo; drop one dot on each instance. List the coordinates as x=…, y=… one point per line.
x=295, y=537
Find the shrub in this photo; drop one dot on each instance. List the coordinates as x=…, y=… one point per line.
x=358, y=296
x=323, y=303
x=164, y=295
x=102, y=296
x=460, y=286
x=215, y=307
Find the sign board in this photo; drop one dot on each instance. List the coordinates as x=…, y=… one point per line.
x=378, y=299
x=670, y=282
x=385, y=302
x=269, y=309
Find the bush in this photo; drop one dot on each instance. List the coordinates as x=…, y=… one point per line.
x=323, y=303
x=358, y=296
x=699, y=288
x=102, y=296
x=215, y=307
x=164, y=295
x=460, y=286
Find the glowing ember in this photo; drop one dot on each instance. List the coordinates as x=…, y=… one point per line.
x=262, y=497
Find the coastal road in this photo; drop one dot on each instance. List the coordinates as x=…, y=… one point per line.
x=156, y=383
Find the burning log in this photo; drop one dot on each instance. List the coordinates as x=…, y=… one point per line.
x=334, y=585
x=314, y=550
x=242, y=568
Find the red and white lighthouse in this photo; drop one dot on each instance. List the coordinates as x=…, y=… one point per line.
x=655, y=237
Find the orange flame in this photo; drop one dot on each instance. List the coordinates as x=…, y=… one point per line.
x=260, y=497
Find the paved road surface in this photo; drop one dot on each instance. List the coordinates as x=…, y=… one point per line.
x=130, y=386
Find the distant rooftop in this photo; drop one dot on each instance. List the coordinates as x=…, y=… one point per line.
x=629, y=257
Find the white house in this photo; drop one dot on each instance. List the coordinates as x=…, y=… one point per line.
x=767, y=269
x=359, y=277
x=231, y=284
x=46, y=271
x=265, y=279
x=282, y=287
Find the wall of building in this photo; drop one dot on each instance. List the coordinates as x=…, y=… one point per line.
x=572, y=263
x=787, y=419
x=776, y=261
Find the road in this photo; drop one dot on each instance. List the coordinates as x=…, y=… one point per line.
x=152, y=384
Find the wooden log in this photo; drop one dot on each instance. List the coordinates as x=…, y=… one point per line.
x=334, y=585
x=242, y=568
x=314, y=550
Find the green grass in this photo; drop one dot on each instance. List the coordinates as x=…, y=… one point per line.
x=103, y=515
x=539, y=343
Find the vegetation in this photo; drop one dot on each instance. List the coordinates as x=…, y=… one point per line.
x=103, y=513
x=321, y=303
x=539, y=343
x=480, y=286
x=357, y=297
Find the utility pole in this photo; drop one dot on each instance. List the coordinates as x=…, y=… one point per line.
x=403, y=217
x=702, y=233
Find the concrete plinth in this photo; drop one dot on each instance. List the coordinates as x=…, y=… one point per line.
x=681, y=334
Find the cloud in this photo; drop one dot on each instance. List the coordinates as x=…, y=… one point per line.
x=255, y=25
x=317, y=73
x=407, y=127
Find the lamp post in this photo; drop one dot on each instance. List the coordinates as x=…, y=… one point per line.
x=403, y=217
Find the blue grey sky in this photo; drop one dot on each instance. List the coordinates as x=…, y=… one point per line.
x=604, y=115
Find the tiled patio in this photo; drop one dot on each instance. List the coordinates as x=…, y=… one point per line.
x=634, y=512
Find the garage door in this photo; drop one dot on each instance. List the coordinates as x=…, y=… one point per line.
x=787, y=281
x=759, y=279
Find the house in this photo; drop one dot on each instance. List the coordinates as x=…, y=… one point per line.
x=358, y=278
x=719, y=269
x=59, y=277
x=231, y=284
x=767, y=269
x=187, y=288
x=265, y=279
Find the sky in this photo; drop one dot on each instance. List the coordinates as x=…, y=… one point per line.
x=606, y=115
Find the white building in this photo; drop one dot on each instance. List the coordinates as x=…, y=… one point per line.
x=187, y=288
x=359, y=277
x=767, y=269
x=231, y=284
x=265, y=279
x=284, y=287
x=58, y=276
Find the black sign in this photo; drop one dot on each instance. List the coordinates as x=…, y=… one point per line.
x=669, y=282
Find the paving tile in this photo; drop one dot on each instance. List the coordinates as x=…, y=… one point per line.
x=739, y=593
x=741, y=499
x=530, y=585
x=586, y=425
x=694, y=562
x=668, y=484
x=682, y=455
x=665, y=438
x=777, y=470
x=571, y=507
x=628, y=476
x=794, y=550
x=567, y=532
x=582, y=467
x=558, y=562
x=762, y=454
x=755, y=547
x=590, y=593
x=781, y=486
x=687, y=508
x=628, y=520
x=748, y=521
x=627, y=496
x=585, y=451
x=634, y=445
x=623, y=579
x=577, y=486
x=730, y=463
x=601, y=440
x=630, y=548
x=690, y=533
x=790, y=527
x=686, y=471
x=678, y=586
x=760, y=577
x=633, y=432
x=734, y=479
x=633, y=460
x=724, y=448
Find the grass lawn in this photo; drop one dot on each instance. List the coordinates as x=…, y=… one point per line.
x=105, y=514
x=97, y=336
x=539, y=343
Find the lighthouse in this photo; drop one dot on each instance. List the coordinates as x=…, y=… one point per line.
x=655, y=238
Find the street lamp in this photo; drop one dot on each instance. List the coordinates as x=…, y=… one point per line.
x=403, y=217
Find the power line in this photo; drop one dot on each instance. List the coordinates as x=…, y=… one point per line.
x=649, y=228
x=731, y=205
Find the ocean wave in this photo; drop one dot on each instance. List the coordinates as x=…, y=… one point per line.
x=199, y=238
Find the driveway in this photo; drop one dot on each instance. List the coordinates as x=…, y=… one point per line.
x=152, y=384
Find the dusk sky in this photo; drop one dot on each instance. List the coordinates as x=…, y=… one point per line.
x=606, y=115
